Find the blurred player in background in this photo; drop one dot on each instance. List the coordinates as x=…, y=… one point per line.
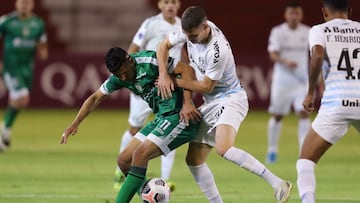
x=176, y=120
x=24, y=36
x=151, y=32
x=225, y=101
x=288, y=49
x=338, y=38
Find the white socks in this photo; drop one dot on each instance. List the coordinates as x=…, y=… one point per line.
x=167, y=164
x=274, y=129
x=303, y=128
x=205, y=180
x=250, y=163
x=306, y=180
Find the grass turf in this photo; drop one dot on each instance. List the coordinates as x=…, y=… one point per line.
x=37, y=169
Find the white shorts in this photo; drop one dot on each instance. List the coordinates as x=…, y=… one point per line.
x=139, y=111
x=284, y=96
x=332, y=124
x=230, y=110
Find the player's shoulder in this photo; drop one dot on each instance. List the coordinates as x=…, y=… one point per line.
x=152, y=20
x=8, y=17
x=279, y=27
x=304, y=27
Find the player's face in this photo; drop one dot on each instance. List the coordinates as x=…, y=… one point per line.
x=169, y=8
x=126, y=71
x=24, y=7
x=198, y=35
x=293, y=16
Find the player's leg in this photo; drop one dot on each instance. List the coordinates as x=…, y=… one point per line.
x=326, y=130
x=137, y=172
x=19, y=87
x=231, y=116
x=195, y=159
x=159, y=137
x=138, y=114
x=304, y=120
x=280, y=104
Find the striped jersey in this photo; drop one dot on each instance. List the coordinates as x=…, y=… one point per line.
x=214, y=60
x=147, y=71
x=341, y=40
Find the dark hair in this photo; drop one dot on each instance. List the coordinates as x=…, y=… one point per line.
x=115, y=58
x=337, y=5
x=293, y=4
x=192, y=18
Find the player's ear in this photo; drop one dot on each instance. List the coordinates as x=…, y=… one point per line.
x=160, y=4
x=325, y=13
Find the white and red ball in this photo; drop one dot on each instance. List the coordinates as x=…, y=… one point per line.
x=155, y=190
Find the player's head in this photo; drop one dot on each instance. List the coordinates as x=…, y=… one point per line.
x=120, y=64
x=194, y=24
x=293, y=14
x=24, y=7
x=169, y=8
x=335, y=8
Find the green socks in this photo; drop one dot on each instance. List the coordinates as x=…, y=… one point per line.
x=10, y=116
x=132, y=184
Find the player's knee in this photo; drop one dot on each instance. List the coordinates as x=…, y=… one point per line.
x=124, y=163
x=303, y=114
x=194, y=159
x=221, y=150
x=278, y=117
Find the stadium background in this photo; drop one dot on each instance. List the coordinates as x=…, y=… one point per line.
x=80, y=31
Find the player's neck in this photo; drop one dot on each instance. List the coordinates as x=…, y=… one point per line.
x=293, y=26
x=24, y=16
x=337, y=16
x=170, y=20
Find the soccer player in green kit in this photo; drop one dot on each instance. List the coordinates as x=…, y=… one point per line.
x=24, y=35
x=175, y=120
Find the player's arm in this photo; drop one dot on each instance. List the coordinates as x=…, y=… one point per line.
x=165, y=84
x=133, y=48
x=316, y=61
x=202, y=86
x=188, y=111
x=90, y=104
x=276, y=57
x=42, y=50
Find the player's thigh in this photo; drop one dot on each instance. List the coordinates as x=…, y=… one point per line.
x=168, y=133
x=139, y=111
x=17, y=85
x=314, y=146
x=228, y=111
x=330, y=125
x=280, y=99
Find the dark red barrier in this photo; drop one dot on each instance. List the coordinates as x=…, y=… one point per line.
x=66, y=80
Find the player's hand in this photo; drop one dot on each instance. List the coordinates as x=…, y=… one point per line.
x=309, y=103
x=165, y=86
x=68, y=131
x=291, y=64
x=189, y=113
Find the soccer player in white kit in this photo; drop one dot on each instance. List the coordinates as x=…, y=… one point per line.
x=225, y=101
x=150, y=33
x=289, y=50
x=339, y=39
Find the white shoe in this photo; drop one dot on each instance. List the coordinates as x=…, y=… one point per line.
x=283, y=191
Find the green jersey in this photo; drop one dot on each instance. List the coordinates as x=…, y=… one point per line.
x=20, y=40
x=147, y=71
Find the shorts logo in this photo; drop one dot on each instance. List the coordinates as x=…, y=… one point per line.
x=218, y=114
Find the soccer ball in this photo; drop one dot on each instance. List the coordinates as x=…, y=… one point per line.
x=155, y=190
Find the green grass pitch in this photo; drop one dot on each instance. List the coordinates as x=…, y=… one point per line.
x=37, y=169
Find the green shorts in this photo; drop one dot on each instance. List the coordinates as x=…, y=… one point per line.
x=18, y=84
x=168, y=133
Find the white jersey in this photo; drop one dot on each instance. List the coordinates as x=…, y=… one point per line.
x=291, y=45
x=155, y=29
x=341, y=40
x=214, y=60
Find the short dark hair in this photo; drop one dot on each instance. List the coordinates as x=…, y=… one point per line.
x=115, y=58
x=192, y=18
x=293, y=4
x=337, y=5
